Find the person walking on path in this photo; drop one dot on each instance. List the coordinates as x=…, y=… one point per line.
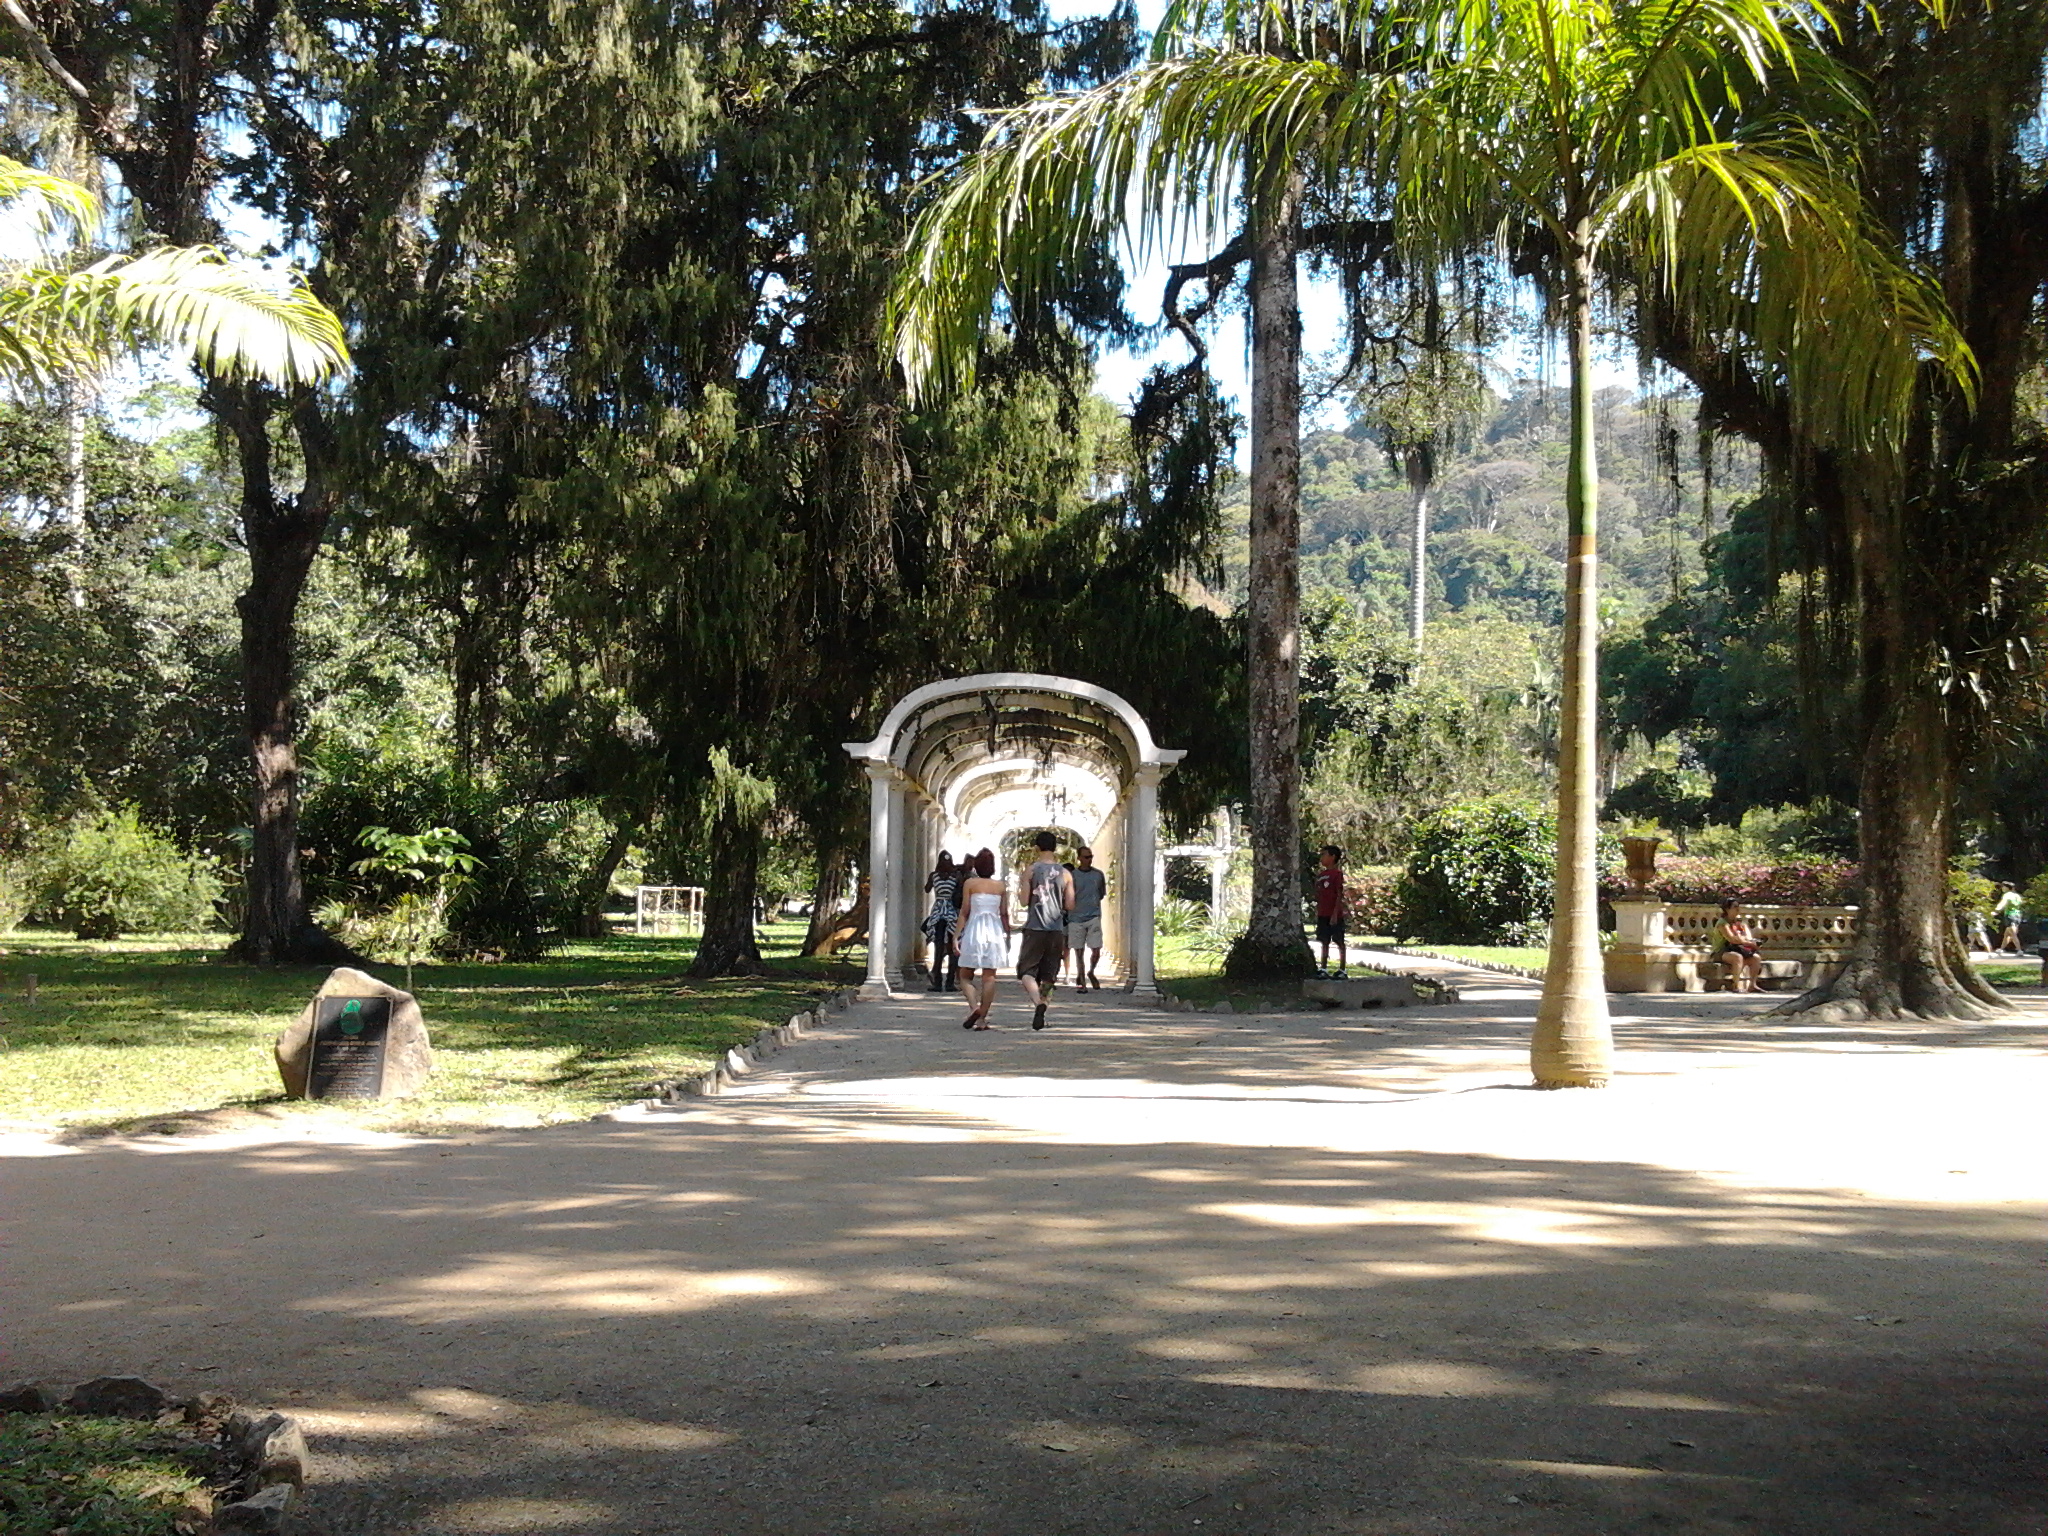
x=2006, y=913
x=942, y=921
x=1043, y=949
x=1084, y=922
x=981, y=932
x=1330, y=909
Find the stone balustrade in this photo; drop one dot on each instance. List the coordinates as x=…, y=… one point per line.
x=1669, y=946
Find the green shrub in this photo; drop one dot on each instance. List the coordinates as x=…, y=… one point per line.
x=530, y=857
x=1177, y=917
x=17, y=895
x=1480, y=873
x=1373, y=898
x=112, y=875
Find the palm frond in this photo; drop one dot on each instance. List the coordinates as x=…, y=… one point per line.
x=41, y=201
x=222, y=312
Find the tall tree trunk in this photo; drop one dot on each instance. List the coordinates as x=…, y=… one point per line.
x=1272, y=943
x=283, y=536
x=1908, y=960
x=1573, y=1046
x=1420, y=476
x=596, y=885
x=827, y=887
x=728, y=947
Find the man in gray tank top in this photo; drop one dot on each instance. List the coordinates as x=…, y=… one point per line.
x=1042, y=947
x=1084, y=922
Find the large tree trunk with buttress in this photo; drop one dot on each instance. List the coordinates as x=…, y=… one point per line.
x=1907, y=961
x=1272, y=944
x=283, y=536
x=729, y=947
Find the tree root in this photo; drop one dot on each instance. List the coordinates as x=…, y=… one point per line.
x=1931, y=989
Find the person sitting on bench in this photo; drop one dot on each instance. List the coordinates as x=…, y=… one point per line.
x=1740, y=948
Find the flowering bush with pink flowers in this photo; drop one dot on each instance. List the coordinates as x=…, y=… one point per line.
x=1814, y=883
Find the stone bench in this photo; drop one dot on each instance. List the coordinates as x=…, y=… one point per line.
x=1669, y=946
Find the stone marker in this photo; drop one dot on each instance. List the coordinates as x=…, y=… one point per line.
x=117, y=1397
x=357, y=1039
x=28, y=1397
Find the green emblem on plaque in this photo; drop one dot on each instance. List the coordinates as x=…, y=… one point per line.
x=352, y=1017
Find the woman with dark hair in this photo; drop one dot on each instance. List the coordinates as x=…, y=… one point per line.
x=983, y=929
x=944, y=883
x=1740, y=948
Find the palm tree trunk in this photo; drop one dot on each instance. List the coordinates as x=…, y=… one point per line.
x=1573, y=1045
x=1272, y=943
x=1418, y=558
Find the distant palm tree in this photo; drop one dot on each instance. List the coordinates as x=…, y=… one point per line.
x=229, y=316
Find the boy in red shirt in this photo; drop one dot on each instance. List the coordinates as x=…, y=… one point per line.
x=1330, y=908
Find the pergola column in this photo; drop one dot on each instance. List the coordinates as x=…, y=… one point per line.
x=881, y=802
x=1144, y=835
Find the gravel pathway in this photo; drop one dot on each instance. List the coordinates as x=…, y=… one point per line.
x=1143, y=1272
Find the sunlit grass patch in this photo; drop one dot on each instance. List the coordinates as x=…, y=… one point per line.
x=126, y=1034
x=99, y=1477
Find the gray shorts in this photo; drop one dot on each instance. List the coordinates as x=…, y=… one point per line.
x=1085, y=933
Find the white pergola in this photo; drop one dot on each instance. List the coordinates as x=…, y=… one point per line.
x=958, y=764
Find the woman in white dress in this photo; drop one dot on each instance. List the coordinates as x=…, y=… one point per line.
x=983, y=927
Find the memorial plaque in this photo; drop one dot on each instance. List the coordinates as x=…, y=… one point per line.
x=359, y=1038
x=349, y=1039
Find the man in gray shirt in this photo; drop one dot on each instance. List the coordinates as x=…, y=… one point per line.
x=1049, y=892
x=1084, y=920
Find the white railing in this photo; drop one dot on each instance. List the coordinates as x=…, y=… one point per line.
x=1670, y=946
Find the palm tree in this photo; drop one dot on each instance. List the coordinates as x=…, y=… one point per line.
x=1222, y=123
x=1598, y=142
x=1627, y=141
x=57, y=324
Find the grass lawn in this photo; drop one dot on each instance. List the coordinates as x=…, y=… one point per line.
x=155, y=1032
x=1530, y=956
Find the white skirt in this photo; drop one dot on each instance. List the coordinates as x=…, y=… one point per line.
x=983, y=944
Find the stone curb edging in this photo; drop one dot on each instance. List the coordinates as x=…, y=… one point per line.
x=740, y=1060
x=1526, y=972
x=268, y=1451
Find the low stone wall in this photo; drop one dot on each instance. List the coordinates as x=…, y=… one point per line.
x=1669, y=946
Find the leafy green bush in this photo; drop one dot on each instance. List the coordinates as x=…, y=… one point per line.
x=112, y=875
x=17, y=895
x=1372, y=897
x=530, y=857
x=1480, y=873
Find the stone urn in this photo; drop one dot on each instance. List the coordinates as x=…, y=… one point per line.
x=1641, y=854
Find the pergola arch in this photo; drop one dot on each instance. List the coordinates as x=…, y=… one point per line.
x=959, y=762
